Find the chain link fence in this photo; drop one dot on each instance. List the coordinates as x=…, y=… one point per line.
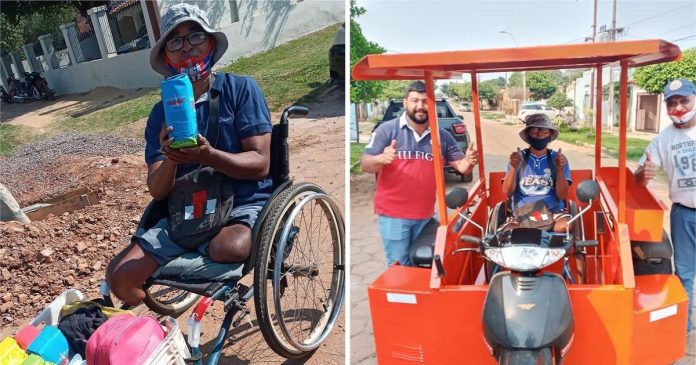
x=127, y=25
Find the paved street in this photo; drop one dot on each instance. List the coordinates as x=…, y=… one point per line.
x=366, y=247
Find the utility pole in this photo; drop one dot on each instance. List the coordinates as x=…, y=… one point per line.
x=612, y=35
x=592, y=77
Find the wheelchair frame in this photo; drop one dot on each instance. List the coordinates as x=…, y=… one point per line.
x=235, y=295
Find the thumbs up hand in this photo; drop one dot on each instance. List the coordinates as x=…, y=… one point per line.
x=389, y=153
x=649, y=167
x=472, y=154
x=561, y=160
x=516, y=158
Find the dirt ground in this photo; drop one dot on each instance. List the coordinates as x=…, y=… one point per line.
x=39, y=114
x=43, y=258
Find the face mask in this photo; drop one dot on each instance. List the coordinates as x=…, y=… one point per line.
x=539, y=143
x=682, y=118
x=196, y=68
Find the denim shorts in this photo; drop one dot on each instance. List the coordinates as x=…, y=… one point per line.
x=157, y=243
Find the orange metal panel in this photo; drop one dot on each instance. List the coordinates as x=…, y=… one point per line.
x=449, y=64
x=660, y=308
x=644, y=211
x=612, y=323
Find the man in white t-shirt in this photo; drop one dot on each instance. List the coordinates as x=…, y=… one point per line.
x=674, y=151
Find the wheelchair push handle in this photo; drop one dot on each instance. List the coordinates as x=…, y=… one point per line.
x=293, y=110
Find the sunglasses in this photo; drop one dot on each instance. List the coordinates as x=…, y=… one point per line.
x=194, y=39
x=538, y=130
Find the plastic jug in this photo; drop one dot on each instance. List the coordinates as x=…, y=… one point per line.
x=179, y=110
x=26, y=336
x=10, y=352
x=51, y=345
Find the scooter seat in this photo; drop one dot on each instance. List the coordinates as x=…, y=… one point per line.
x=423, y=246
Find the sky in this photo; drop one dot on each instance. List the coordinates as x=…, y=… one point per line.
x=420, y=25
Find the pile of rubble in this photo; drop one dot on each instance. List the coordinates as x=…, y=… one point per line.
x=41, y=259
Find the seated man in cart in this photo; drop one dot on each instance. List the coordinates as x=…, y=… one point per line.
x=241, y=155
x=532, y=180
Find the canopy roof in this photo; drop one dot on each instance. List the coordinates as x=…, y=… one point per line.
x=452, y=64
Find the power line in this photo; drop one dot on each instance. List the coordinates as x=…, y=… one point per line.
x=681, y=39
x=658, y=15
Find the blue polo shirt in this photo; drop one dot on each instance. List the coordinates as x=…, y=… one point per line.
x=243, y=113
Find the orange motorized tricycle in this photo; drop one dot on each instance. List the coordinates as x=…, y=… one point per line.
x=602, y=292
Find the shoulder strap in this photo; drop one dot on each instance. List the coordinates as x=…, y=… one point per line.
x=214, y=111
x=520, y=170
x=552, y=166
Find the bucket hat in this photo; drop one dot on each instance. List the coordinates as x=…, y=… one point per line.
x=540, y=121
x=175, y=15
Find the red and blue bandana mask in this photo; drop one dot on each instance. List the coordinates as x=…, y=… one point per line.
x=196, y=68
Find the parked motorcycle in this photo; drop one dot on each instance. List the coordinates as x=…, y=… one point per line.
x=35, y=87
x=527, y=313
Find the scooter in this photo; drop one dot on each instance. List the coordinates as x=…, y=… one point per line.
x=527, y=313
x=35, y=87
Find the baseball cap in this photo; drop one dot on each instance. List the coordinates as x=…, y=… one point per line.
x=681, y=87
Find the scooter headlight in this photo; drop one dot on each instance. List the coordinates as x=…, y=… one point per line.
x=525, y=258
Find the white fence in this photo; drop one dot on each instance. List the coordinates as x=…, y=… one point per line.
x=251, y=27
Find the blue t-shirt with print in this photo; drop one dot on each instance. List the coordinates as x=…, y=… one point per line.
x=536, y=182
x=243, y=113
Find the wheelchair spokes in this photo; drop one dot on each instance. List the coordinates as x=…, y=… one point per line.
x=303, y=291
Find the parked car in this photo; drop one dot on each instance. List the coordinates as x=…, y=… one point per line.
x=535, y=108
x=337, y=55
x=451, y=122
x=465, y=106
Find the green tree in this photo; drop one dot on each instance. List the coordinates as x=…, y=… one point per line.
x=515, y=79
x=541, y=85
x=12, y=38
x=461, y=90
x=653, y=78
x=559, y=100
x=362, y=91
x=394, y=89
x=489, y=90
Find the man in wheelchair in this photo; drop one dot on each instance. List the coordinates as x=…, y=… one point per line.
x=535, y=189
x=232, y=156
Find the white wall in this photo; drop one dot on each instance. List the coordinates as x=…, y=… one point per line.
x=262, y=25
x=126, y=71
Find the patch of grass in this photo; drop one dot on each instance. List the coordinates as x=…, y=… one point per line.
x=12, y=136
x=509, y=123
x=492, y=115
x=356, y=152
x=634, y=146
x=296, y=71
x=109, y=118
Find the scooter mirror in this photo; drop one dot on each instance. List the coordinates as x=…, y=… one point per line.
x=456, y=198
x=587, y=190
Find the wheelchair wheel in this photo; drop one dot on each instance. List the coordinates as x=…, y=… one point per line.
x=299, y=273
x=168, y=301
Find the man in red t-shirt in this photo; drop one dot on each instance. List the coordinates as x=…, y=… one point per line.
x=400, y=153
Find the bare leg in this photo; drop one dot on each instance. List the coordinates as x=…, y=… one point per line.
x=560, y=225
x=232, y=244
x=128, y=271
